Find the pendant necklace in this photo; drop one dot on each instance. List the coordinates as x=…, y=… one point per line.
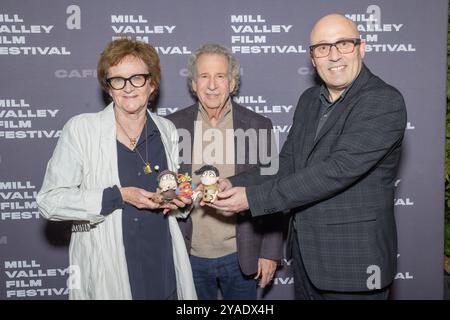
x=147, y=168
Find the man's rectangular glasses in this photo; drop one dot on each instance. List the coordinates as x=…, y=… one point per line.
x=322, y=50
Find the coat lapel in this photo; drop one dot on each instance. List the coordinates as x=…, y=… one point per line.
x=335, y=114
x=239, y=122
x=108, y=144
x=189, y=122
x=310, y=131
x=340, y=107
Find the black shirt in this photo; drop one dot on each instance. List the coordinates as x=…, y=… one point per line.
x=327, y=106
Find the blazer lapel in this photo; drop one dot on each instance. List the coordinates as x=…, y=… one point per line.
x=108, y=145
x=239, y=122
x=191, y=117
x=335, y=114
x=340, y=106
x=310, y=131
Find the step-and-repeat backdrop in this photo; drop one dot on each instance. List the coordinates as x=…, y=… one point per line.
x=48, y=55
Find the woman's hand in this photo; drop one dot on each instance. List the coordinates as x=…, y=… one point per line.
x=139, y=198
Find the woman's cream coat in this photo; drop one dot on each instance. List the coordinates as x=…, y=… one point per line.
x=83, y=164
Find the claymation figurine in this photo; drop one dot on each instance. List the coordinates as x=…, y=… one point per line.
x=167, y=184
x=184, y=186
x=209, y=177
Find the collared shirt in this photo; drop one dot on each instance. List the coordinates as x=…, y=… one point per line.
x=224, y=116
x=327, y=106
x=146, y=235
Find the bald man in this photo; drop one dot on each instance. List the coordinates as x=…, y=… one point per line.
x=337, y=172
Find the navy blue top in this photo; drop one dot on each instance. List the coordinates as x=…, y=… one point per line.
x=146, y=235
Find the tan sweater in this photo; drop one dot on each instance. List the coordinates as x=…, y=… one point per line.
x=214, y=235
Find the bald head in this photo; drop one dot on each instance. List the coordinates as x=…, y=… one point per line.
x=336, y=52
x=332, y=27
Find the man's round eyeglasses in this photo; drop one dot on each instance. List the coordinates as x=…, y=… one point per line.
x=136, y=80
x=322, y=50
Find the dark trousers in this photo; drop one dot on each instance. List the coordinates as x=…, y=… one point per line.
x=305, y=290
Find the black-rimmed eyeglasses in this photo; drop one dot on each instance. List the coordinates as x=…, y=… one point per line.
x=322, y=50
x=136, y=80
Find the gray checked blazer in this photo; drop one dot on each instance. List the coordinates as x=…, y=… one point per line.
x=256, y=238
x=340, y=186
